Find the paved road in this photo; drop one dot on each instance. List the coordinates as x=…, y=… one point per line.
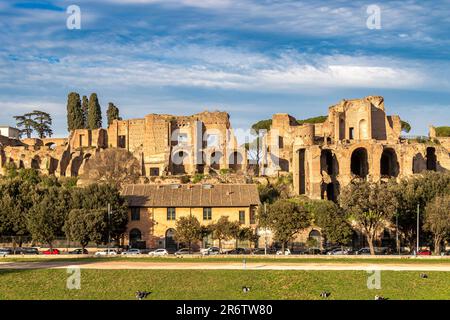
x=124, y=265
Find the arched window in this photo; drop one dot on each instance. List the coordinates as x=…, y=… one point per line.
x=135, y=235
x=388, y=163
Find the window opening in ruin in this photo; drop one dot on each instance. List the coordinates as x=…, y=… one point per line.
x=121, y=143
x=302, y=174
x=431, y=159
x=350, y=133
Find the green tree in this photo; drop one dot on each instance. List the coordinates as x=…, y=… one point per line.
x=97, y=197
x=85, y=111
x=112, y=113
x=95, y=113
x=437, y=220
x=222, y=230
x=413, y=191
x=48, y=214
x=84, y=225
x=285, y=218
x=332, y=221
x=74, y=112
x=42, y=123
x=26, y=124
x=370, y=205
x=188, y=230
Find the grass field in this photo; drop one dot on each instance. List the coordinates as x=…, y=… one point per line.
x=220, y=284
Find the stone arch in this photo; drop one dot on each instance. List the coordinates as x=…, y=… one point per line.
x=75, y=164
x=431, y=159
x=359, y=164
x=363, y=128
x=329, y=162
x=388, y=163
x=216, y=159
x=51, y=145
x=235, y=161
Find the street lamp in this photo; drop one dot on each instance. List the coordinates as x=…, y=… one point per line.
x=109, y=226
x=418, y=229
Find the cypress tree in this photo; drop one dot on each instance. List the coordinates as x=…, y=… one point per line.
x=74, y=113
x=84, y=110
x=112, y=113
x=95, y=113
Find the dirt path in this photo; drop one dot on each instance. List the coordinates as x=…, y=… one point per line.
x=124, y=265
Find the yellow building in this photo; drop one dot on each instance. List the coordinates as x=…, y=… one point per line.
x=154, y=209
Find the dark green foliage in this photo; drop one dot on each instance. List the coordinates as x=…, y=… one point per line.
x=369, y=205
x=406, y=127
x=318, y=119
x=74, y=112
x=437, y=220
x=26, y=124
x=112, y=113
x=42, y=123
x=442, y=131
x=417, y=190
x=48, y=213
x=223, y=229
x=188, y=230
x=94, y=118
x=332, y=221
x=97, y=197
x=84, y=225
x=262, y=125
x=268, y=193
x=285, y=218
x=85, y=111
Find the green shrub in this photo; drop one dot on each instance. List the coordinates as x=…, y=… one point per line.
x=198, y=177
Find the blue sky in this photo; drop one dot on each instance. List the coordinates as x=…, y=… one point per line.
x=251, y=58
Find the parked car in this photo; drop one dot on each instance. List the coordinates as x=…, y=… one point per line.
x=51, y=251
x=425, y=252
x=131, y=252
x=313, y=251
x=183, y=251
x=79, y=251
x=285, y=253
x=27, y=250
x=210, y=251
x=445, y=253
x=237, y=251
x=5, y=252
x=340, y=251
x=159, y=253
x=106, y=252
x=363, y=251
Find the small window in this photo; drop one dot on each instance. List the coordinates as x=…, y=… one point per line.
x=154, y=172
x=351, y=131
x=122, y=142
x=280, y=142
x=207, y=213
x=135, y=214
x=242, y=216
x=252, y=214
x=171, y=215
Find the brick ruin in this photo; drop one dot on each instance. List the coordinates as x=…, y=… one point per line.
x=356, y=139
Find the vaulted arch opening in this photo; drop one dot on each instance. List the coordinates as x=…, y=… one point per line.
x=359, y=163
x=388, y=163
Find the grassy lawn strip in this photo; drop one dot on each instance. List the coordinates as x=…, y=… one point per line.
x=220, y=284
x=248, y=259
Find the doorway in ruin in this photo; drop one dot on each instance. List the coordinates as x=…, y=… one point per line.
x=178, y=162
x=200, y=162
x=235, y=161
x=36, y=163
x=431, y=159
x=388, y=163
x=301, y=170
x=328, y=162
x=359, y=163
x=216, y=158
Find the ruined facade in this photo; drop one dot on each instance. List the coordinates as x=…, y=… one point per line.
x=357, y=139
x=164, y=145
